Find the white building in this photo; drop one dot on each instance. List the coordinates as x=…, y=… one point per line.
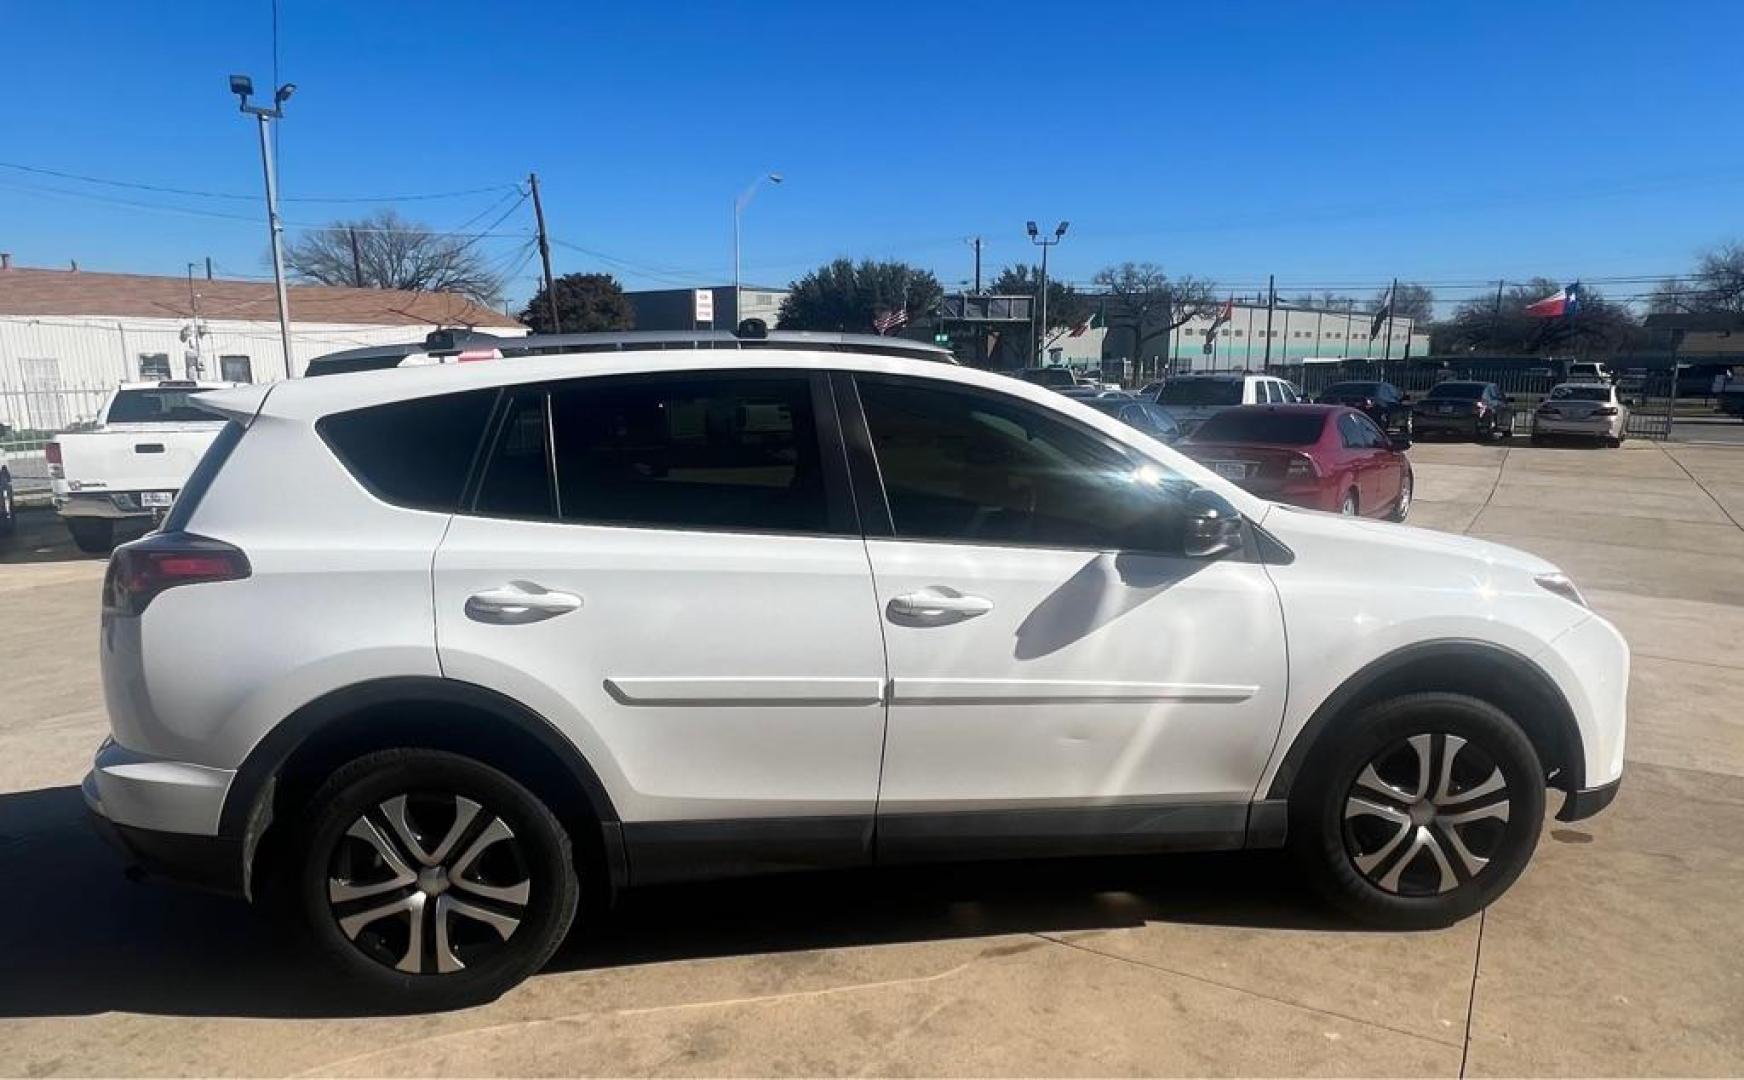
x=1297, y=335
x=68, y=336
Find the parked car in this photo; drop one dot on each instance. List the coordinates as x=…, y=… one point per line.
x=1193, y=399
x=1145, y=416
x=1477, y=410
x=148, y=438
x=1096, y=392
x=1057, y=378
x=1589, y=371
x=1382, y=402
x=1592, y=410
x=1319, y=457
x=503, y=634
x=1150, y=390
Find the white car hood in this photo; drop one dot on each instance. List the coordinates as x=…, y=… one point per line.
x=1361, y=538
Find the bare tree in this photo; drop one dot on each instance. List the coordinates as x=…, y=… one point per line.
x=1145, y=302
x=1717, y=285
x=393, y=253
x=1326, y=300
x=1415, y=302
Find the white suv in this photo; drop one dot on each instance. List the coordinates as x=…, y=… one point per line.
x=452, y=653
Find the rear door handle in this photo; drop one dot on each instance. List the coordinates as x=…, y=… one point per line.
x=938, y=603
x=519, y=602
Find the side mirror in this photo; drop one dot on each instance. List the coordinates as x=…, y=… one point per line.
x=1211, y=526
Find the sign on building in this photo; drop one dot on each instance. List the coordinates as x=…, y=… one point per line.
x=705, y=305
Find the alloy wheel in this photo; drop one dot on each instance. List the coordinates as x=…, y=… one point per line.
x=1348, y=506
x=428, y=882
x=1426, y=815
x=1405, y=485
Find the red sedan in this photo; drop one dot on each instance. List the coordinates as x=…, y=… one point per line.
x=1322, y=457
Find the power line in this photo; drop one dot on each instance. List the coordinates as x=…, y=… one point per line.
x=198, y=194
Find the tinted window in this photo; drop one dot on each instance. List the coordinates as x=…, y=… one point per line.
x=517, y=477
x=1262, y=426
x=1465, y=391
x=1359, y=433
x=709, y=452
x=981, y=468
x=1353, y=389
x=413, y=453
x=1201, y=392
x=1581, y=393
x=157, y=407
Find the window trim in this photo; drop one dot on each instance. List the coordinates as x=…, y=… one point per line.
x=865, y=462
x=839, y=504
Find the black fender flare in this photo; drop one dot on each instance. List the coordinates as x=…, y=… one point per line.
x=247, y=807
x=1572, y=773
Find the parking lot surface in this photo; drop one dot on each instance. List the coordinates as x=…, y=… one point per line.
x=1618, y=952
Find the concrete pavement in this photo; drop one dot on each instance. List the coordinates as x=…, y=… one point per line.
x=1617, y=953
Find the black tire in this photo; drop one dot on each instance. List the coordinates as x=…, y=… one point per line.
x=535, y=860
x=93, y=536
x=1328, y=840
x=1402, y=505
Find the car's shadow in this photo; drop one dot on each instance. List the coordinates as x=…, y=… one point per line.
x=77, y=938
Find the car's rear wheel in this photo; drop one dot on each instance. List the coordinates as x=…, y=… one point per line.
x=1422, y=812
x=1348, y=507
x=1402, y=505
x=93, y=536
x=435, y=878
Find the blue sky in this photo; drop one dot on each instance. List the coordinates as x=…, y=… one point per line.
x=1329, y=144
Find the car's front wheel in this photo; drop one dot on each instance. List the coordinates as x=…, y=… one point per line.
x=1424, y=810
x=435, y=878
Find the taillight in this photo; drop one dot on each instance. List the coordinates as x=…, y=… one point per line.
x=1301, y=468
x=56, y=470
x=139, y=571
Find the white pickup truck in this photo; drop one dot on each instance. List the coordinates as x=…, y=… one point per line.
x=148, y=438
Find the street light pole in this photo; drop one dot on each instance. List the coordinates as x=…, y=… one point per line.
x=242, y=86
x=739, y=205
x=1044, y=242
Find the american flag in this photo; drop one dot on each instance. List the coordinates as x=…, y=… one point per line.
x=890, y=320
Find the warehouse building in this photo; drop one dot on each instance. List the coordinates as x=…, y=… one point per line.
x=68, y=336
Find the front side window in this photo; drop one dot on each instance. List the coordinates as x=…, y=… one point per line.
x=972, y=467
x=728, y=452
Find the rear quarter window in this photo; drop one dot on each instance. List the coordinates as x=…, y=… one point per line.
x=415, y=453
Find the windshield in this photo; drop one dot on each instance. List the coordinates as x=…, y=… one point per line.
x=1262, y=426
x=1353, y=389
x=1200, y=392
x=157, y=407
x=1465, y=391
x=1581, y=393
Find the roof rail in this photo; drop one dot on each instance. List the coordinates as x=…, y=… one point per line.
x=453, y=342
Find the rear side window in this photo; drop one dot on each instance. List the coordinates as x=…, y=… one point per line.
x=412, y=453
x=717, y=452
x=202, y=476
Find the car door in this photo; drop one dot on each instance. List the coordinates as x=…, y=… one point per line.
x=667, y=569
x=1384, y=470
x=1362, y=452
x=1061, y=676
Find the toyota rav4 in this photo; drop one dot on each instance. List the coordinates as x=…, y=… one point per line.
x=449, y=656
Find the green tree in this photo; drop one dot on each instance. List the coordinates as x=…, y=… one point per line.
x=1067, y=307
x=846, y=296
x=585, y=303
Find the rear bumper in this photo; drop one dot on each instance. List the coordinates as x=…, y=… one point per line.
x=213, y=863
x=113, y=505
x=1577, y=805
x=1604, y=427
x=1456, y=425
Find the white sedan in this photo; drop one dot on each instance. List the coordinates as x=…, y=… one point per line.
x=1590, y=410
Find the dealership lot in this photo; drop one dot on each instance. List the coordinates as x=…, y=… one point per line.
x=1618, y=952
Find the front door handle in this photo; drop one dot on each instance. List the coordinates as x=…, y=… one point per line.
x=519, y=602
x=937, y=604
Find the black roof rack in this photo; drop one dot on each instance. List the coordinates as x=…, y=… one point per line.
x=453, y=342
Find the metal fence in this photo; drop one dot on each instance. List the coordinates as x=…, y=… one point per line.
x=32, y=415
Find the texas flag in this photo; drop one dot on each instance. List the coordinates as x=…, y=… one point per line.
x=1565, y=301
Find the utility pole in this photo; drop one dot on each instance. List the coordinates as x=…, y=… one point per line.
x=208, y=268
x=195, y=366
x=356, y=259
x=1271, y=303
x=243, y=86
x=545, y=254
x=977, y=243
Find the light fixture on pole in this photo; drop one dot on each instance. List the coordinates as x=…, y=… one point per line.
x=739, y=205
x=1044, y=242
x=243, y=87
